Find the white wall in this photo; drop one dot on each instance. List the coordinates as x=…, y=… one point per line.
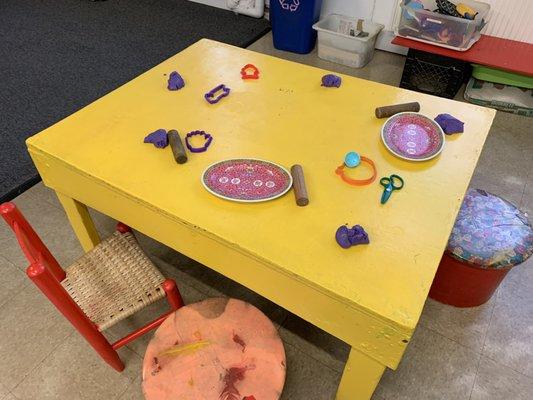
x=511, y=20
x=353, y=8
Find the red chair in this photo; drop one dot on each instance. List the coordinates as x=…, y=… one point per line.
x=109, y=283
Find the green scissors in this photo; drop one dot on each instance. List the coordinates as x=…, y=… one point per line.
x=389, y=183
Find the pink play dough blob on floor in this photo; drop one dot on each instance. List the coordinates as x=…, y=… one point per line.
x=217, y=349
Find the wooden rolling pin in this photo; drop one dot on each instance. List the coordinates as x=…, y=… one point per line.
x=176, y=144
x=298, y=184
x=388, y=111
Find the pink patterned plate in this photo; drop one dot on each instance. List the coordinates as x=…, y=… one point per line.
x=412, y=136
x=247, y=180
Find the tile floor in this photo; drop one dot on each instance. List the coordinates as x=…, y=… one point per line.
x=483, y=353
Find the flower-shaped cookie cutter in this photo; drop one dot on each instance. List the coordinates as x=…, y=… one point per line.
x=249, y=71
x=208, y=140
x=210, y=96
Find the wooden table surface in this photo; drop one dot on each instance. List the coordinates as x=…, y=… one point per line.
x=370, y=296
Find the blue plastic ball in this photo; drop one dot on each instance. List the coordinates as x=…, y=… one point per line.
x=352, y=159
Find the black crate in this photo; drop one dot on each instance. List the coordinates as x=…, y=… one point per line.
x=434, y=74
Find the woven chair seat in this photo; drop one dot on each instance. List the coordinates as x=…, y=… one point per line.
x=114, y=280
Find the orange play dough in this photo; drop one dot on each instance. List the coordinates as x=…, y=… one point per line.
x=217, y=349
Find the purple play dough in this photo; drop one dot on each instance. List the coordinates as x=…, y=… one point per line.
x=175, y=81
x=331, y=80
x=347, y=237
x=449, y=124
x=158, y=138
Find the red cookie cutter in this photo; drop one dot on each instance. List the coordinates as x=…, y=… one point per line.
x=245, y=74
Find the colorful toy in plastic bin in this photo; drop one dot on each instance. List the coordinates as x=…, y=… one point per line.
x=460, y=10
x=430, y=26
x=466, y=11
x=415, y=5
x=447, y=7
x=443, y=23
x=445, y=35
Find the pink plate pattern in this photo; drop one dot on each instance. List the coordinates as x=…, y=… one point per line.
x=247, y=180
x=412, y=136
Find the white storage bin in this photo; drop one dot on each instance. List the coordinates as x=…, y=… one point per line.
x=337, y=43
x=441, y=30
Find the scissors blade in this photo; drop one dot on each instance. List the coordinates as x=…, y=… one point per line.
x=386, y=193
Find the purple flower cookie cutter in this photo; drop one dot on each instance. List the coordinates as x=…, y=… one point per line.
x=210, y=96
x=208, y=140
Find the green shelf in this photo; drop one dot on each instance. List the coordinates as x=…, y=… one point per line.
x=498, y=76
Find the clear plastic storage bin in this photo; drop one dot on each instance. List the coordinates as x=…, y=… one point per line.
x=338, y=40
x=439, y=29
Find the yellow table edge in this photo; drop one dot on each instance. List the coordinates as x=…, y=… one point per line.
x=385, y=342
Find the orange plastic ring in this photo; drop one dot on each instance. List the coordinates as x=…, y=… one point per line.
x=358, y=182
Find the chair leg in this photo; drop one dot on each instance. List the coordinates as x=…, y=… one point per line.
x=173, y=294
x=105, y=350
x=123, y=228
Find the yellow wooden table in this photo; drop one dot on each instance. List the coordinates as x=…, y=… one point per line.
x=369, y=296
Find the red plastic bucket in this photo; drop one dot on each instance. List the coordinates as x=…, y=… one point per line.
x=463, y=285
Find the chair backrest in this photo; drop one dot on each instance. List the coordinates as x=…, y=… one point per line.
x=30, y=243
x=47, y=274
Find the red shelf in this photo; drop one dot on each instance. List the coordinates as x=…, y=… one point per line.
x=508, y=55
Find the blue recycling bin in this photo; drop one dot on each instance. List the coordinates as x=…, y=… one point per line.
x=292, y=24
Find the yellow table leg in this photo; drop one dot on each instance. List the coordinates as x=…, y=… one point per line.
x=360, y=377
x=81, y=221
